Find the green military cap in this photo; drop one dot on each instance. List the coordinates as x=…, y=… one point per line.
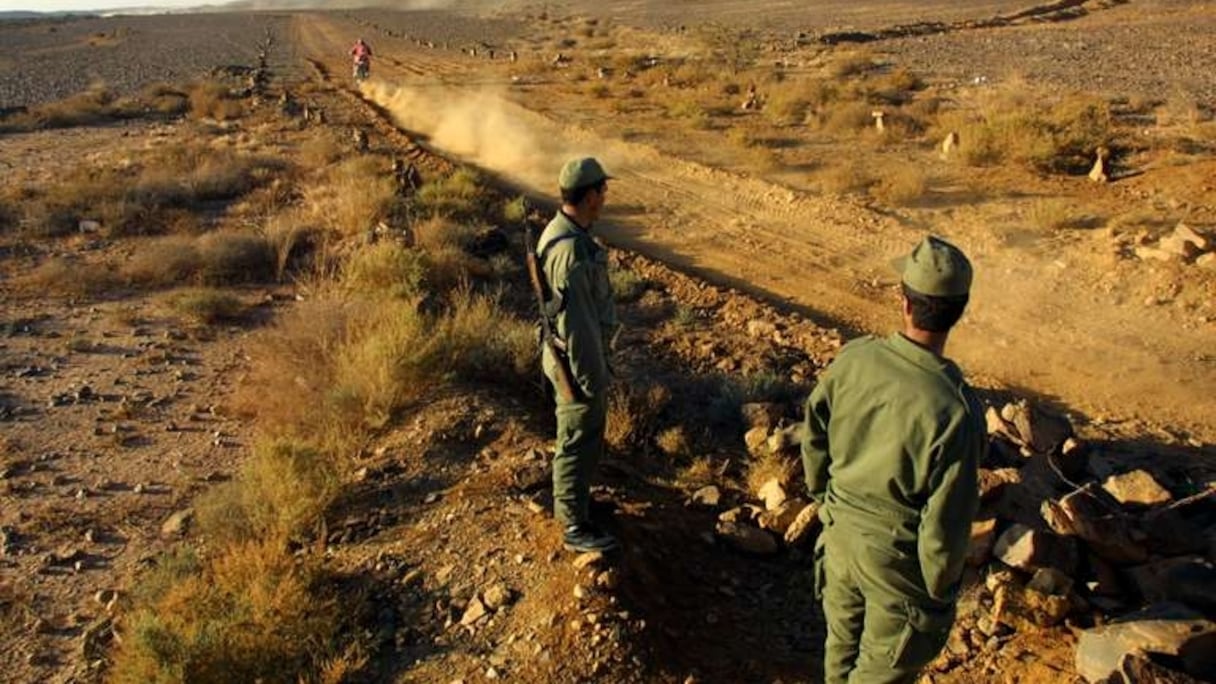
x=935, y=268
x=581, y=173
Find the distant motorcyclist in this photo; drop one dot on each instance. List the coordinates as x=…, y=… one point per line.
x=362, y=53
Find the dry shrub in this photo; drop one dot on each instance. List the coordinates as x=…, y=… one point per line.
x=253, y=612
x=356, y=196
x=845, y=179
x=674, y=441
x=903, y=185
x=690, y=111
x=1050, y=135
x=847, y=117
x=386, y=269
x=787, y=107
x=293, y=238
x=282, y=491
x=228, y=257
x=627, y=286
x=439, y=232
x=163, y=262
x=896, y=88
x=633, y=415
x=744, y=137
x=211, y=100
x=322, y=148
x=514, y=212
x=93, y=106
x=770, y=466
x=163, y=98
x=70, y=277
x=457, y=196
x=1057, y=214
x=600, y=91
x=207, y=306
x=851, y=64
x=480, y=340
x=692, y=73
x=698, y=473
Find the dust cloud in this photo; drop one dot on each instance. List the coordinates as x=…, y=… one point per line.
x=482, y=128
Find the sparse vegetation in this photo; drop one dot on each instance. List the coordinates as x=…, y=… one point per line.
x=454, y=196
x=904, y=185
x=208, y=306
x=627, y=286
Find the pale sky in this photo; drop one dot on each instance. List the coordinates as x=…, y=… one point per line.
x=80, y=5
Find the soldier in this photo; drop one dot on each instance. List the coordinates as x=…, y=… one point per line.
x=894, y=436
x=576, y=269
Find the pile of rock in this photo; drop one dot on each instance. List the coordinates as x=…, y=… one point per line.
x=1065, y=529
x=1184, y=244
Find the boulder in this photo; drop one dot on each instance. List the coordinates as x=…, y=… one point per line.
x=983, y=537
x=1028, y=549
x=994, y=482
x=1111, y=535
x=779, y=519
x=804, y=525
x=772, y=493
x=755, y=439
x=475, y=611
x=747, y=539
x=1166, y=629
x=1040, y=430
x=1137, y=488
x=1190, y=581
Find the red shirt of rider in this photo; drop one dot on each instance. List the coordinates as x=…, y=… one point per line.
x=361, y=51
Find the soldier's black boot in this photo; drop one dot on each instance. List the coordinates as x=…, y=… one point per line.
x=586, y=538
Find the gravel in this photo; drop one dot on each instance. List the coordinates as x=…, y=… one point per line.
x=48, y=60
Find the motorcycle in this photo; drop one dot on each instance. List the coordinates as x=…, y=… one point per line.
x=363, y=69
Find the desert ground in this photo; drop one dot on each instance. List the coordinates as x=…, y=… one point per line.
x=271, y=409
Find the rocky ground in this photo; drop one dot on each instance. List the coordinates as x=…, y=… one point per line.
x=117, y=413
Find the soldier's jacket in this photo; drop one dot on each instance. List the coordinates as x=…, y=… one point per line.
x=894, y=438
x=576, y=268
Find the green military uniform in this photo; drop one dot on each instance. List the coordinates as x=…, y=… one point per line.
x=576, y=269
x=893, y=440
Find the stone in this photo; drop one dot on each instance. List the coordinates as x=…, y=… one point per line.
x=498, y=596
x=996, y=425
x=709, y=496
x=994, y=482
x=475, y=611
x=747, y=539
x=779, y=519
x=1040, y=430
x=1178, y=247
x=1144, y=253
x=1027, y=549
x=983, y=538
x=1098, y=173
x=759, y=329
x=949, y=145
x=587, y=560
x=1207, y=261
x=1027, y=609
x=1201, y=242
x=1190, y=581
x=178, y=523
x=1137, y=488
x=1139, y=668
x=1111, y=535
x=803, y=526
x=755, y=439
x=607, y=580
x=744, y=513
x=1051, y=582
x=1165, y=629
x=772, y=493
x=761, y=414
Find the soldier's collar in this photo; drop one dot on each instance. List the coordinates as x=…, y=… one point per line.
x=921, y=356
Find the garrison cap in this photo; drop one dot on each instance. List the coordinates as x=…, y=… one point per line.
x=581, y=173
x=935, y=268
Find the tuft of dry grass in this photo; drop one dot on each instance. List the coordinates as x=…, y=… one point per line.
x=456, y=196
x=767, y=467
x=674, y=442
x=322, y=149
x=689, y=111
x=228, y=257
x=208, y=306
x=439, y=232
x=252, y=612
x=355, y=196
x=903, y=185
x=627, y=286
x=72, y=278
x=633, y=415
x=386, y=269
x=850, y=64
x=845, y=179
x=211, y=100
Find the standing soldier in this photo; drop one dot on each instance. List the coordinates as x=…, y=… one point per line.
x=575, y=268
x=894, y=437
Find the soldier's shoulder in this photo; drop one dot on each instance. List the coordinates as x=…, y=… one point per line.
x=859, y=345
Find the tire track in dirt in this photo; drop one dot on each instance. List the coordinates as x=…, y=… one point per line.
x=1031, y=327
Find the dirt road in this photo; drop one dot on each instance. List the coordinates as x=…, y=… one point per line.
x=1038, y=324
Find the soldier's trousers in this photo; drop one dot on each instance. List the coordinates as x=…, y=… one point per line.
x=580, y=444
x=882, y=627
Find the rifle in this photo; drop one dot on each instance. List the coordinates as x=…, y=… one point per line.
x=563, y=381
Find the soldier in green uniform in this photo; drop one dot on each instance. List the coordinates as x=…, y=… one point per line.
x=576, y=269
x=894, y=437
